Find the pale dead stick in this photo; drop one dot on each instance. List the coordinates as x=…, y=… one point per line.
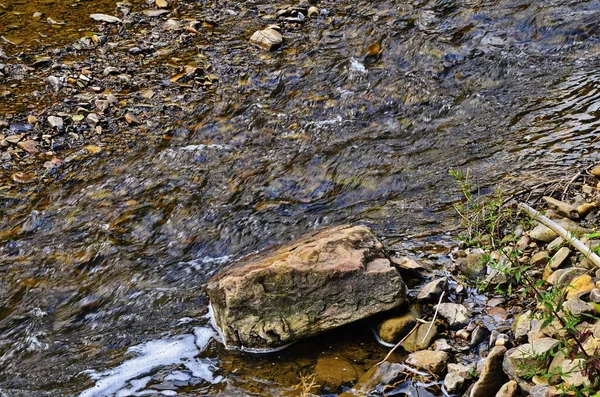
x=569, y=185
x=576, y=243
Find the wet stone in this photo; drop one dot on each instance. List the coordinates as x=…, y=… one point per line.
x=454, y=383
x=433, y=290
x=428, y=360
x=454, y=313
x=56, y=122
x=333, y=372
x=421, y=339
x=321, y=281
x=393, y=329
x=267, y=38
x=478, y=335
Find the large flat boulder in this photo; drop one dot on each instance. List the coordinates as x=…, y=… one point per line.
x=321, y=281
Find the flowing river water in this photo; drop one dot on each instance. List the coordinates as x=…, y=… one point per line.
x=102, y=267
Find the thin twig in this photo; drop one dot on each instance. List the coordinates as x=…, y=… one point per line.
x=562, y=197
x=434, y=317
x=399, y=343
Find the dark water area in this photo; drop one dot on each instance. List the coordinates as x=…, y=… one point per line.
x=113, y=250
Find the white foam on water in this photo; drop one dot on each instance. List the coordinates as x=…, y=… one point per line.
x=357, y=67
x=202, y=369
x=202, y=147
x=178, y=375
x=136, y=386
x=150, y=356
x=197, y=264
x=322, y=123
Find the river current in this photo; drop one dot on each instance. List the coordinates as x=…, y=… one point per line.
x=102, y=268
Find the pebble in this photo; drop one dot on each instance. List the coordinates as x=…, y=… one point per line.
x=433, y=290
x=155, y=13
x=30, y=146
x=267, y=38
x=442, y=345
x=478, y=335
x=54, y=83
x=579, y=286
x=22, y=177
x=533, y=358
x=509, y=389
x=428, y=360
x=559, y=258
x=542, y=233
x=595, y=295
x=586, y=208
x=555, y=244
x=56, y=122
x=132, y=119
x=93, y=118
x=539, y=259
x=571, y=373
x=454, y=383
x=577, y=307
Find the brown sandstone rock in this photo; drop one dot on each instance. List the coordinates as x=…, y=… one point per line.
x=333, y=372
x=324, y=280
x=492, y=377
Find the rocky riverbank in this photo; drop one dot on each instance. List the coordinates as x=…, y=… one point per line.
x=514, y=313
x=533, y=327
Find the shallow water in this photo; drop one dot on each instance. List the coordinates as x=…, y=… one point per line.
x=114, y=250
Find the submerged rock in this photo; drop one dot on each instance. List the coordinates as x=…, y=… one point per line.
x=332, y=372
x=384, y=373
x=393, y=329
x=324, y=280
